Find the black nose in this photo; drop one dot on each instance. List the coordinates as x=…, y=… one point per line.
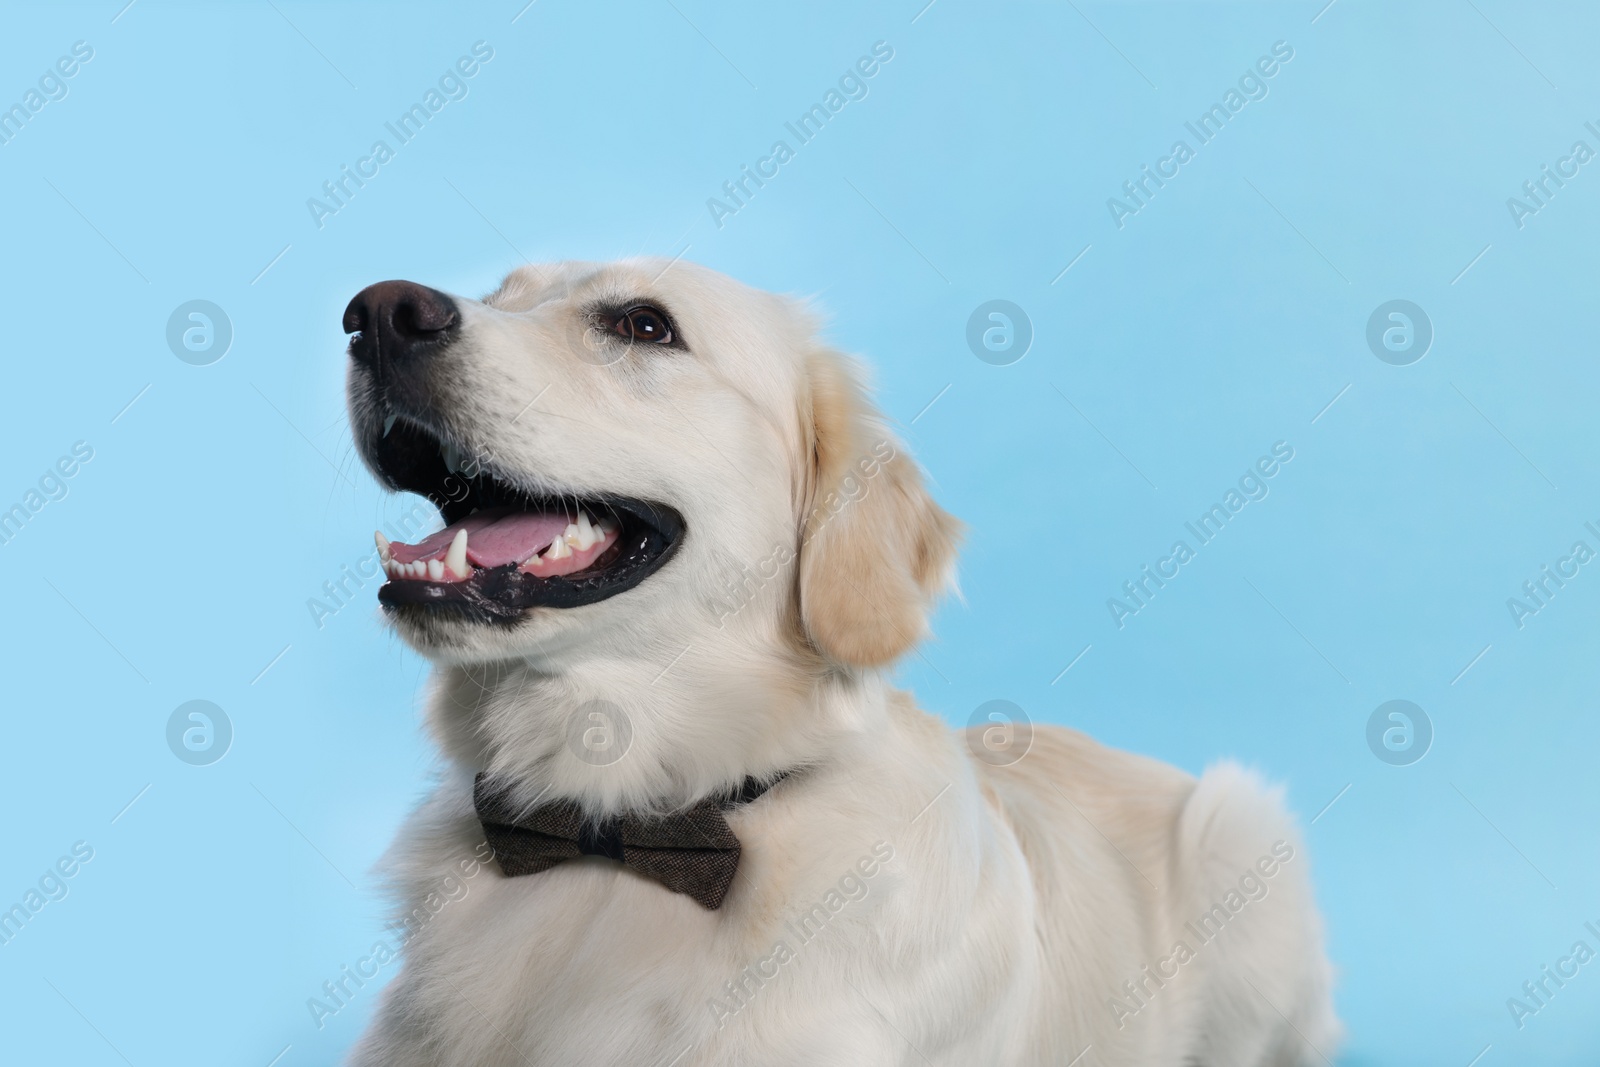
x=395, y=320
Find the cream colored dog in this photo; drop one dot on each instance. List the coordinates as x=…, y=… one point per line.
x=681, y=551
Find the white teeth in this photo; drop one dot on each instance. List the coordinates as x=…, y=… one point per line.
x=388, y=424
x=579, y=536
x=456, y=557
x=587, y=534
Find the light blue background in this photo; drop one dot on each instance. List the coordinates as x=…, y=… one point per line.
x=1222, y=318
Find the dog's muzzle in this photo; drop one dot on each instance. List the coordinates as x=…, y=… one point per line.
x=505, y=548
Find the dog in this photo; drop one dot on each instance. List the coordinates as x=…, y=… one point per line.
x=682, y=817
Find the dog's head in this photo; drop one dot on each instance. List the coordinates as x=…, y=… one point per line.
x=634, y=448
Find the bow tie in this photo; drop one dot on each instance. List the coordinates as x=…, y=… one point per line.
x=693, y=852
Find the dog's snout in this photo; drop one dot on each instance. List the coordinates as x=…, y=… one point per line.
x=393, y=320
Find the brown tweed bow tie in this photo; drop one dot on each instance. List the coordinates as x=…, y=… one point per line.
x=694, y=852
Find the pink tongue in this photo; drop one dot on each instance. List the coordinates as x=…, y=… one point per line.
x=517, y=537
x=494, y=537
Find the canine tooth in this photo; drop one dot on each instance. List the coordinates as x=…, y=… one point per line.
x=455, y=558
x=559, y=549
x=383, y=545
x=435, y=570
x=388, y=424
x=587, y=534
x=451, y=456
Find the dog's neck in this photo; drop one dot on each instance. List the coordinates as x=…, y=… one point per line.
x=654, y=729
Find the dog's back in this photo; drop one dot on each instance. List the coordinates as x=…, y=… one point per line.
x=1174, y=914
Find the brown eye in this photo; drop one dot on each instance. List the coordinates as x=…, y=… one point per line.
x=644, y=324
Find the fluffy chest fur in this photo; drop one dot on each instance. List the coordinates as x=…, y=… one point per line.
x=842, y=918
x=899, y=903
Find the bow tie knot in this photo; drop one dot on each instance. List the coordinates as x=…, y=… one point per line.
x=693, y=852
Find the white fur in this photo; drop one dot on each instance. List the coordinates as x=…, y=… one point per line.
x=1018, y=899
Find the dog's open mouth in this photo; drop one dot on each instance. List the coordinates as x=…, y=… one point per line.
x=504, y=550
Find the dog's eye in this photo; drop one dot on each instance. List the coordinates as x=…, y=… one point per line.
x=644, y=324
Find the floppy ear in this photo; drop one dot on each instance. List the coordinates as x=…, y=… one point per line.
x=875, y=548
